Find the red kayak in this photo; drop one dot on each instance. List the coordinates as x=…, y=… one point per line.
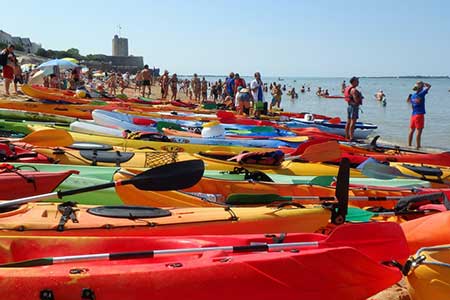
x=438, y=159
x=18, y=183
x=240, y=267
x=317, y=133
x=13, y=152
x=180, y=103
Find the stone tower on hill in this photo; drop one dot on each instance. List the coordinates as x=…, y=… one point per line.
x=119, y=46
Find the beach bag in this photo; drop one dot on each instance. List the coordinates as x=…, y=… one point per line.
x=3, y=58
x=270, y=158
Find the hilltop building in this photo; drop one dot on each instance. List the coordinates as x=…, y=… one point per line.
x=26, y=43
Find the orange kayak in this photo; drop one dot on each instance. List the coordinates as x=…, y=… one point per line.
x=52, y=94
x=51, y=219
x=80, y=111
x=218, y=190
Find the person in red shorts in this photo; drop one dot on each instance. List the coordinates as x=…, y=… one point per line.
x=7, y=60
x=417, y=101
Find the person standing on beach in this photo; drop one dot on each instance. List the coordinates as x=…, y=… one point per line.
x=18, y=77
x=196, y=87
x=256, y=87
x=146, y=79
x=354, y=98
x=204, y=89
x=229, y=90
x=164, y=82
x=238, y=82
x=174, y=86
x=417, y=101
x=7, y=59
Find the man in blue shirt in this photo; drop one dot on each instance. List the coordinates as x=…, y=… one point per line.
x=230, y=86
x=417, y=101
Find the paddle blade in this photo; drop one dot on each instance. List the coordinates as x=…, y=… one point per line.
x=383, y=241
x=372, y=168
x=328, y=151
x=49, y=138
x=322, y=180
x=355, y=214
x=176, y=176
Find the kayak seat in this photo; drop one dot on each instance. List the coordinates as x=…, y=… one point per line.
x=218, y=155
x=129, y=212
x=116, y=157
x=424, y=170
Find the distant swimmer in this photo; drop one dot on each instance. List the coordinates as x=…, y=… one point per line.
x=302, y=90
x=309, y=89
x=380, y=96
x=343, y=86
x=319, y=91
x=417, y=121
x=326, y=93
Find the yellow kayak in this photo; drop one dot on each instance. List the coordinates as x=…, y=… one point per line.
x=218, y=162
x=431, y=278
x=150, y=145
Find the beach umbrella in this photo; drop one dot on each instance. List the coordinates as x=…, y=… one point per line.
x=38, y=77
x=27, y=67
x=61, y=63
x=72, y=60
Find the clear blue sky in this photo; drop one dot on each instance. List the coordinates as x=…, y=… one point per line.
x=279, y=37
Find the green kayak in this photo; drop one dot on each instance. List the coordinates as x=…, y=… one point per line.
x=88, y=176
x=12, y=114
x=324, y=180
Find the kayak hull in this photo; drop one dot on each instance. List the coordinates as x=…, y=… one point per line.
x=43, y=219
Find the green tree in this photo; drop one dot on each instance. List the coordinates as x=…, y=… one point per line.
x=74, y=53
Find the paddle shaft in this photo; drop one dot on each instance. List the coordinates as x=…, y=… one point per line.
x=152, y=253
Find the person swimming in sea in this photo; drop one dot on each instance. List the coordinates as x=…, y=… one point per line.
x=319, y=91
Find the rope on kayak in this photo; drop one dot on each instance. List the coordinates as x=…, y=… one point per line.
x=159, y=158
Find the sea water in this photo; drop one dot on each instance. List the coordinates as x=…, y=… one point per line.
x=392, y=119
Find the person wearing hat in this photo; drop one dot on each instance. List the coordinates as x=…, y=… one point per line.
x=354, y=99
x=417, y=121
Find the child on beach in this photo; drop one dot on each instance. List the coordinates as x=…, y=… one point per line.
x=18, y=77
x=54, y=82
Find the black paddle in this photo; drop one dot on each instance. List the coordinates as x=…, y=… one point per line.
x=176, y=176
